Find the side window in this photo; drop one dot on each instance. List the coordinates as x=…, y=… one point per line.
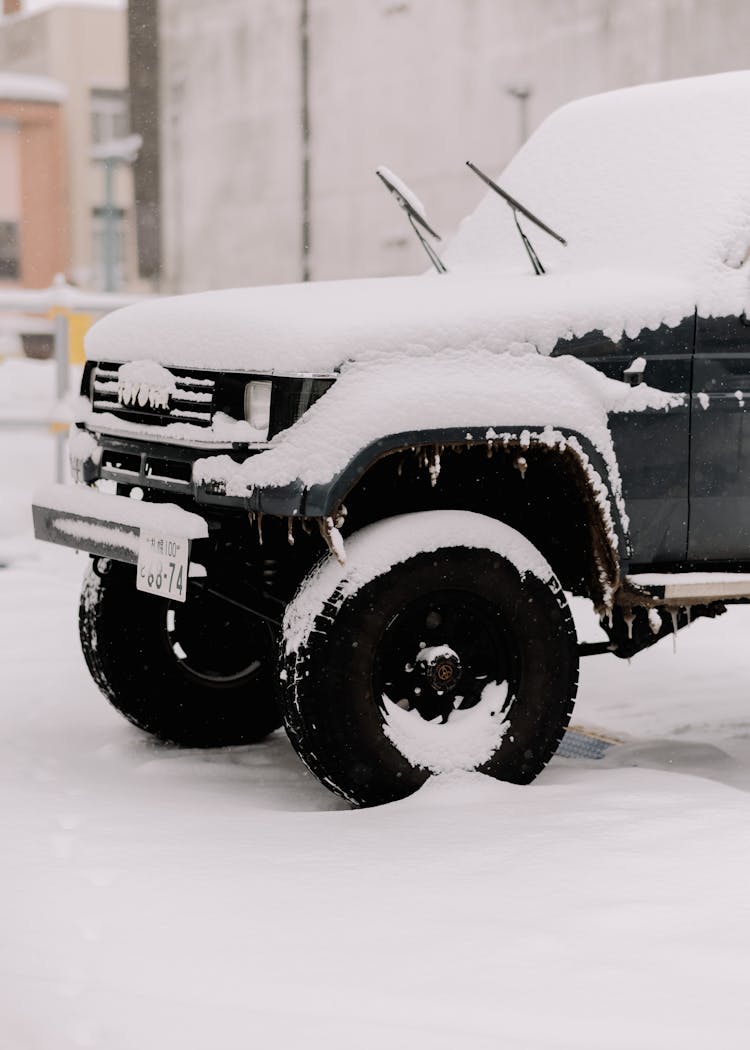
x=597, y=350
x=666, y=351
x=722, y=364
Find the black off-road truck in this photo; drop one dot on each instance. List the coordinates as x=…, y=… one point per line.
x=357, y=507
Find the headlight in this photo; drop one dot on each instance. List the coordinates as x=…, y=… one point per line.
x=258, y=403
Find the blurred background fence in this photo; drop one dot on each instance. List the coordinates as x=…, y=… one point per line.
x=46, y=328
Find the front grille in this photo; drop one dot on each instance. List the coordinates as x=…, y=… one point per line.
x=192, y=402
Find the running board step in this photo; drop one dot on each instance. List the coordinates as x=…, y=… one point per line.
x=586, y=742
x=684, y=588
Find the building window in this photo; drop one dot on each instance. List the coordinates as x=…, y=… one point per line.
x=10, y=254
x=108, y=244
x=109, y=115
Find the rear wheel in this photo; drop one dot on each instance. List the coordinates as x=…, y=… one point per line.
x=444, y=644
x=202, y=673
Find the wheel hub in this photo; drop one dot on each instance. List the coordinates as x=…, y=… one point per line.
x=441, y=667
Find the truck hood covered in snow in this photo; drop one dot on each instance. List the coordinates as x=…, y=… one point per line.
x=316, y=327
x=654, y=178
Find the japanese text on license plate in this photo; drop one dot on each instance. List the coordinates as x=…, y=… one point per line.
x=163, y=565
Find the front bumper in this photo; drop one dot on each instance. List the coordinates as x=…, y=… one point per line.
x=146, y=463
x=107, y=526
x=168, y=468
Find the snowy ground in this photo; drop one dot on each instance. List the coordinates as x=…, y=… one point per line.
x=156, y=899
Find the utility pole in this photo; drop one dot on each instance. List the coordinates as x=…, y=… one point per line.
x=304, y=54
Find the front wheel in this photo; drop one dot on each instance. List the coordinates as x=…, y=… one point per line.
x=202, y=673
x=445, y=643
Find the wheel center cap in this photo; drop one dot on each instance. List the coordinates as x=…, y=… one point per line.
x=445, y=671
x=441, y=667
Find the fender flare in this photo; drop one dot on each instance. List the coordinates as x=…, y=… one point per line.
x=599, y=478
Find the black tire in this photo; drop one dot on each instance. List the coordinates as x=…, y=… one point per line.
x=349, y=631
x=196, y=674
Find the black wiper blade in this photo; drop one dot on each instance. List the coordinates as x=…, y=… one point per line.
x=416, y=219
x=517, y=207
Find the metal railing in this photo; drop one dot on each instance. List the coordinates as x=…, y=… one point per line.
x=60, y=301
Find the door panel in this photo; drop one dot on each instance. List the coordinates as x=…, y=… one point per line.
x=652, y=447
x=720, y=461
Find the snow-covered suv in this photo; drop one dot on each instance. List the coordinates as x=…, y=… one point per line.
x=358, y=506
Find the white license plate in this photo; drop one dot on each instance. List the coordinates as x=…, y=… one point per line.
x=163, y=565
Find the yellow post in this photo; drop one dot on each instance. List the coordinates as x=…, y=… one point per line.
x=78, y=325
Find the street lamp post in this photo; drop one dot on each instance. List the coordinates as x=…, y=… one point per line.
x=521, y=93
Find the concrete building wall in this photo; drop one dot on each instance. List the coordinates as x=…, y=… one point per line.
x=231, y=143
x=419, y=85
x=85, y=48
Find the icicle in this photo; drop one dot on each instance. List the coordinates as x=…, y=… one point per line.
x=654, y=621
x=333, y=538
x=629, y=618
x=521, y=465
x=259, y=519
x=289, y=532
x=434, y=468
x=675, y=626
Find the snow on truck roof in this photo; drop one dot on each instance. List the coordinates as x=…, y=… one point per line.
x=657, y=175
x=649, y=185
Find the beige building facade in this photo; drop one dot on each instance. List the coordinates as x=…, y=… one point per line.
x=84, y=48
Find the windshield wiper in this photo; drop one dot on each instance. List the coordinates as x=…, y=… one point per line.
x=414, y=212
x=517, y=207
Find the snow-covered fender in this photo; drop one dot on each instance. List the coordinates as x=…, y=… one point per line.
x=424, y=402
x=598, y=489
